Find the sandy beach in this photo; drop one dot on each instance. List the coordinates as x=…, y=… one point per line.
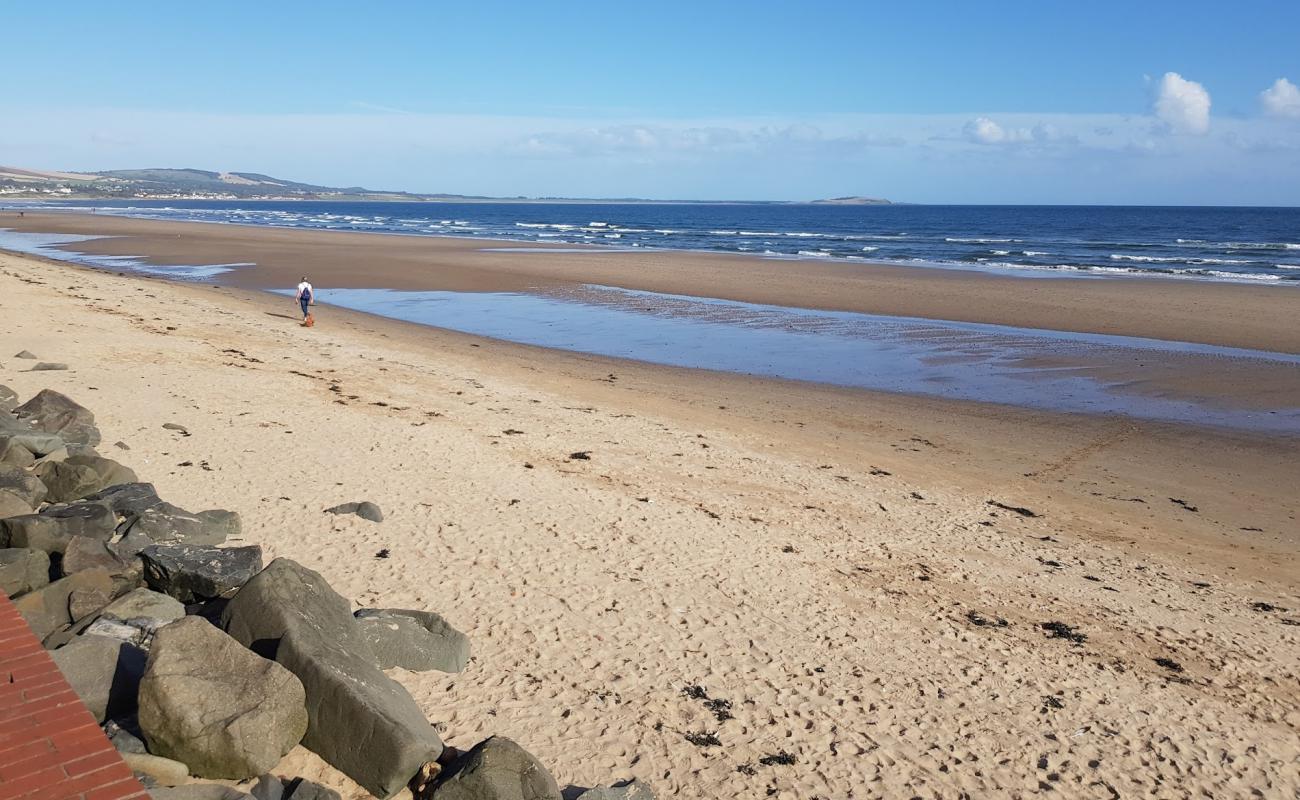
x=865, y=578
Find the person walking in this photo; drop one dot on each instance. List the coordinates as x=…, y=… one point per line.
x=306, y=297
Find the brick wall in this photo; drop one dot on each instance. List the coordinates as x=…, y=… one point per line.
x=51, y=748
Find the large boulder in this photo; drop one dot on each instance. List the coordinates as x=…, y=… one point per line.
x=68, y=482
x=191, y=573
x=360, y=721
x=145, y=603
x=414, y=640
x=127, y=499
x=15, y=433
x=51, y=607
x=8, y=399
x=627, y=790
x=23, y=484
x=54, y=528
x=497, y=769
x=53, y=412
x=220, y=708
x=23, y=570
x=110, y=472
x=84, y=553
x=269, y=787
x=105, y=673
x=14, y=453
x=166, y=524
x=11, y=505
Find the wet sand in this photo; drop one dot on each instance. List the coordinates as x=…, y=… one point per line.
x=897, y=596
x=1235, y=315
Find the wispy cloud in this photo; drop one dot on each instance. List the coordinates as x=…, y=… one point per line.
x=659, y=140
x=382, y=109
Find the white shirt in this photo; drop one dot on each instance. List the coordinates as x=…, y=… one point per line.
x=306, y=287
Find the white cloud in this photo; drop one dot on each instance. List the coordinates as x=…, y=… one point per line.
x=983, y=130
x=1282, y=99
x=659, y=140
x=1183, y=105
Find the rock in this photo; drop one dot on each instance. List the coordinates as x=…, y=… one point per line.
x=11, y=505
x=497, y=769
x=23, y=484
x=360, y=721
x=14, y=454
x=49, y=366
x=162, y=770
x=23, y=570
x=223, y=710
x=145, y=603
x=365, y=509
x=121, y=445
x=23, y=435
x=84, y=553
x=137, y=631
x=199, y=791
x=8, y=399
x=46, y=609
x=25, y=354
x=123, y=740
x=165, y=523
x=172, y=426
x=127, y=499
x=105, y=673
x=110, y=472
x=68, y=482
x=269, y=787
x=53, y=412
x=83, y=602
x=414, y=640
x=130, y=545
x=190, y=572
x=54, y=528
x=627, y=790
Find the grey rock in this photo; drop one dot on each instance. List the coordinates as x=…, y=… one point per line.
x=111, y=473
x=53, y=412
x=46, y=609
x=199, y=791
x=360, y=721
x=23, y=570
x=11, y=505
x=627, y=790
x=26, y=354
x=414, y=640
x=145, y=603
x=14, y=454
x=105, y=673
x=220, y=708
x=269, y=787
x=172, y=426
x=364, y=509
x=137, y=631
x=8, y=399
x=49, y=366
x=166, y=523
x=23, y=484
x=123, y=740
x=84, y=603
x=54, y=528
x=161, y=770
x=497, y=769
x=84, y=553
x=191, y=572
x=16, y=433
x=67, y=483
x=130, y=545
x=122, y=445
x=127, y=499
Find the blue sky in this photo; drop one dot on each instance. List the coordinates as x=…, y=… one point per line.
x=1152, y=102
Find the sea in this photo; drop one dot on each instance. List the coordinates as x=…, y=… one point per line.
x=1258, y=245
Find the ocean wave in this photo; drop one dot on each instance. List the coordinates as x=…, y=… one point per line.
x=1032, y=253
x=1179, y=259
x=964, y=240
x=870, y=249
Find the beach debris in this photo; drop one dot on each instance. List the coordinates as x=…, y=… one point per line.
x=1060, y=630
x=105, y=673
x=1051, y=702
x=26, y=354
x=192, y=572
x=1021, y=510
x=624, y=790
x=172, y=426
x=495, y=769
x=979, y=620
x=789, y=548
x=374, y=733
x=703, y=739
x=49, y=366
x=364, y=509
x=512, y=432
x=121, y=445
x=720, y=708
x=219, y=708
x=1168, y=663
x=1184, y=504
x=781, y=758
x=1048, y=562
x=581, y=455
x=384, y=553
x=415, y=640
x=56, y=413
x=877, y=471
x=1265, y=607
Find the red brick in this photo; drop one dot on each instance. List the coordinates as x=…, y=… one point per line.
x=17, y=788
x=92, y=761
x=71, y=787
x=25, y=750
x=46, y=705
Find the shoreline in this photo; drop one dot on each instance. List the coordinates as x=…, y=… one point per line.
x=826, y=560
x=1227, y=314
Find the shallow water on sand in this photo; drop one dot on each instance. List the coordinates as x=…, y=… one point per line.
x=1049, y=370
